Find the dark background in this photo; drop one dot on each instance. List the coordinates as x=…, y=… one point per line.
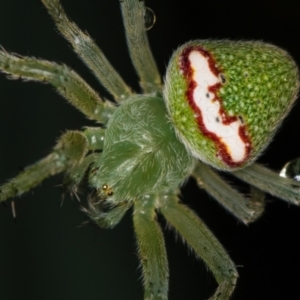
x=47, y=254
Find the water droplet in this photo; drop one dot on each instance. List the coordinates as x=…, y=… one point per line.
x=291, y=170
x=149, y=18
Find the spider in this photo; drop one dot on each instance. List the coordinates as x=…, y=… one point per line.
x=106, y=212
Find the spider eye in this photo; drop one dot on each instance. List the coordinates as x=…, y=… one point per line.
x=226, y=99
x=107, y=190
x=110, y=193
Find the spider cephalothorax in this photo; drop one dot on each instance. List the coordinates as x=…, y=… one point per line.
x=220, y=105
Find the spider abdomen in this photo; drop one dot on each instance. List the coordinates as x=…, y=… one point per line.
x=141, y=154
x=227, y=98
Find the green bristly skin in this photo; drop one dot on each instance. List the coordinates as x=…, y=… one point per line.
x=146, y=145
x=261, y=85
x=141, y=165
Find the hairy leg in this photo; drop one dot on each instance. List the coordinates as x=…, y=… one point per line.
x=134, y=18
x=270, y=182
x=151, y=248
x=88, y=51
x=246, y=210
x=68, y=83
x=68, y=152
x=197, y=236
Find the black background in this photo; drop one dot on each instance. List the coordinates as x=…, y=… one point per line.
x=46, y=254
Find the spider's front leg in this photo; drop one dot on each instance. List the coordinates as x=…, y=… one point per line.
x=151, y=248
x=197, y=236
x=69, y=154
x=72, y=148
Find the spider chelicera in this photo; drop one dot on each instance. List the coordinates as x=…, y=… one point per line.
x=106, y=189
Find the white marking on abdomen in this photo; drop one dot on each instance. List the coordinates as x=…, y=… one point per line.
x=210, y=108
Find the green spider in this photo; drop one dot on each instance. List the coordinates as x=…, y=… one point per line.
x=136, y=159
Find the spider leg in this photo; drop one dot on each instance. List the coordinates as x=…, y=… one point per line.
x=202, y=241
x=67, y=82
x=75, y=174
x=103, y=214
x=151, y=248
x=69, y=152
x=88, y=51
x=270, y=182
x=246, y=210
x=95, y=137
x=134, y=18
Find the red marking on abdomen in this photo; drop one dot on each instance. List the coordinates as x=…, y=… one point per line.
x=188, y=72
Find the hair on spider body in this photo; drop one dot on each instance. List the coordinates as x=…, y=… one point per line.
x=148, y=145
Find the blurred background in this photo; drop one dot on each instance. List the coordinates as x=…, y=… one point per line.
x=47, y=253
